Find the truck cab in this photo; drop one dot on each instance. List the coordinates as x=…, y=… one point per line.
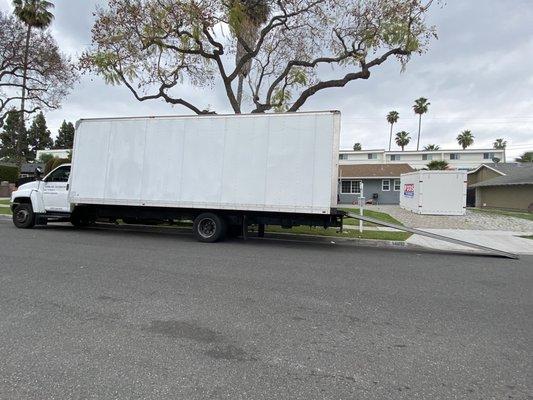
x=38, y=201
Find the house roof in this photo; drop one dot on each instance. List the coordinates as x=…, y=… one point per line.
x=374, y=170
x=29, y=168
x=517, y=176
x=501, y=168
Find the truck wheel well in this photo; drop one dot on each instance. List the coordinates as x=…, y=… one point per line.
x=20, y=200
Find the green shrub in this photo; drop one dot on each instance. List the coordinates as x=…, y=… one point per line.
x=54, y=163
x=45, y=157
x=9, y=173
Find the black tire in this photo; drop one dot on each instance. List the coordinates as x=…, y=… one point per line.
x=209, y=228
x=23, y=216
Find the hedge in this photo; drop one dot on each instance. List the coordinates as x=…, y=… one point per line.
x=9, y=173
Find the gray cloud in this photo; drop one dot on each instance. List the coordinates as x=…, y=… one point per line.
x=477, y=76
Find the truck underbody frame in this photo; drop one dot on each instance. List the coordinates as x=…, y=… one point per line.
x=233, y=217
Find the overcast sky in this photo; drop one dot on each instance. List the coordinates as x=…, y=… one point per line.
x=478, y=75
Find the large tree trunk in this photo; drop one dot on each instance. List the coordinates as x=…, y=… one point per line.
x=23, y=97
x=240, y=83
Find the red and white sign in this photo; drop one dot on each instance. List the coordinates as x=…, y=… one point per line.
x=409, y=189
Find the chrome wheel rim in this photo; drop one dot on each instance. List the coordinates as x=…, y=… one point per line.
x=22, y=216
x=207, y=228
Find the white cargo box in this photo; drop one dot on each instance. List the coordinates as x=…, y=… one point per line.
x=260, y=162
x=434, y=192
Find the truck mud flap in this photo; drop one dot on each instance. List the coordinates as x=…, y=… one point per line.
x=487, y=250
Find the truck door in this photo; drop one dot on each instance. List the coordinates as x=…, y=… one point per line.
x=55, y=190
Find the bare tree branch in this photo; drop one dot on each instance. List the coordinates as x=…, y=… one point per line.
x=154, y=47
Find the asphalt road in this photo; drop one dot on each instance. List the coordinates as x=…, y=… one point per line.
x=111, y=314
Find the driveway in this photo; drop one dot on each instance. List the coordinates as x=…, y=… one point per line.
x=471, y=221
x=112, y=314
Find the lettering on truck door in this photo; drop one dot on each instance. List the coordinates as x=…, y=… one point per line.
x=55, y=190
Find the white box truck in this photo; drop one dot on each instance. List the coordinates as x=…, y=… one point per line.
x=223, y=172
x=434, y=192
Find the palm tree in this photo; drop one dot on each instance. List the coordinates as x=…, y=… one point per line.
x=432, y=147
x=392, y=118
x=465, y=139
x=246, y=17
x=437, y=165
x=500, y=144
x=357, y=146
x=420, y=107
x=402, y=139
x=527, y=157
x=34, y=14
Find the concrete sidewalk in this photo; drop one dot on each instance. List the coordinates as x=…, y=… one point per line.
x=502, y=240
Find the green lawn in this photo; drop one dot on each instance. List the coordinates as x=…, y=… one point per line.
x=305, y=230
x=369, y=213
x=4, y=202
x=516, y=214
x=5, y=211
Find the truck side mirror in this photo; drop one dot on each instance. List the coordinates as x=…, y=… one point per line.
x=38, y=173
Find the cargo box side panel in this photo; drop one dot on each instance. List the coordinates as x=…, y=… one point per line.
x=163, y=161
x=202, y=162
x=125, y=162
x=89, y=161
x=444, y=193
x=279, y=162
x=290, y=163
x=245, y=160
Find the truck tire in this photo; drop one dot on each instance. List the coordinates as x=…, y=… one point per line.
x=209, y=228
x=23, y=216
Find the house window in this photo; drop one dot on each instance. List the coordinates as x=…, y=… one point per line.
x=385, y=185
x=372, y=156
x=427, y=157
x=397, y=185
x=454, y=156
x=350, y=187
x=342, y=157
x=395, y=157
x=488, y=156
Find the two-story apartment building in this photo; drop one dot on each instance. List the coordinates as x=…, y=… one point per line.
x=457, y=159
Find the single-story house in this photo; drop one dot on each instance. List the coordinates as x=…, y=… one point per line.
x=512, y=191
x=483, y=173
x=27, y=170
x=379, y=183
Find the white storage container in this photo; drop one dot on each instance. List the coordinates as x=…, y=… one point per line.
x=434, y=192
x=259, y=162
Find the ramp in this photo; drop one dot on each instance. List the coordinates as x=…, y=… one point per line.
x=488, y=250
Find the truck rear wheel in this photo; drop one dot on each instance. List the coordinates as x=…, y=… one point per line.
x=209, y=228
x=23, y=216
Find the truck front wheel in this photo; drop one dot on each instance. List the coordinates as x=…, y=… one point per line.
x=23, y=216
x=209, y=227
